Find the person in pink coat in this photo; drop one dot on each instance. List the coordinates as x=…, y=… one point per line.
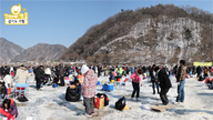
x=136, y=83
x=88, y=89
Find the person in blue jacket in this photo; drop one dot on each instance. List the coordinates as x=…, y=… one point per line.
x=111, y=77
x=132, y=70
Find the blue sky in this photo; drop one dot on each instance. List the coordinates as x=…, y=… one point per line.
x=64, y=21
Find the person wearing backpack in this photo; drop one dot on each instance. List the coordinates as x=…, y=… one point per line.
x=165, y=84
x=136, y=83
x=88, y=89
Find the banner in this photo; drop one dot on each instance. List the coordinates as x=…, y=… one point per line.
x=207, y=64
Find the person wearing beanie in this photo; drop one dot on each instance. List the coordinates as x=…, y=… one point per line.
x=181, y=76
x=88, y=89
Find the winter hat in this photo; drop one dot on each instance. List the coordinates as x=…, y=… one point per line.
x=84, y=69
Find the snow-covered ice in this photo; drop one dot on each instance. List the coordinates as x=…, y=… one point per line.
x=49, y=104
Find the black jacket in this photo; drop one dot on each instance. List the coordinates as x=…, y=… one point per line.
x=199, y=70
x=72, y=95
x=39, y=73
x=164, y=80
x=153, y=77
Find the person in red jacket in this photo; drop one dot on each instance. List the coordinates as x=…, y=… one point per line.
x=8, y=108
x=88, y=89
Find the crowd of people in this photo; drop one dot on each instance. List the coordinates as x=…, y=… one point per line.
x=84, y=80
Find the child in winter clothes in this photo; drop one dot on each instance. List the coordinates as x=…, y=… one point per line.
x=136, y=83
x=8, y=108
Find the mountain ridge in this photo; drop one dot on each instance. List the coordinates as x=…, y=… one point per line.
x=44, y=51
x=9, y=50
x=161, y=34
x=41, y=52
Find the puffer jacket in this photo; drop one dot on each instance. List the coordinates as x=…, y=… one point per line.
x=8, y=80
x=89, y=84
x=72, y=95
x=13, y=109
x=135, y=78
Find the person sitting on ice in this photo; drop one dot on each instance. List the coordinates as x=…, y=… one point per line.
x=78, y=87
x=8, y=109
x=72, y=94
x=3, y=90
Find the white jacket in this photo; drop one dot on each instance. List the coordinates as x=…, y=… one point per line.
x=22, y=75
x=8, y=80
x=47, y=71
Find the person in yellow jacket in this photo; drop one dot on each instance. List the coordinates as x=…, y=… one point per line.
x=121, y=70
